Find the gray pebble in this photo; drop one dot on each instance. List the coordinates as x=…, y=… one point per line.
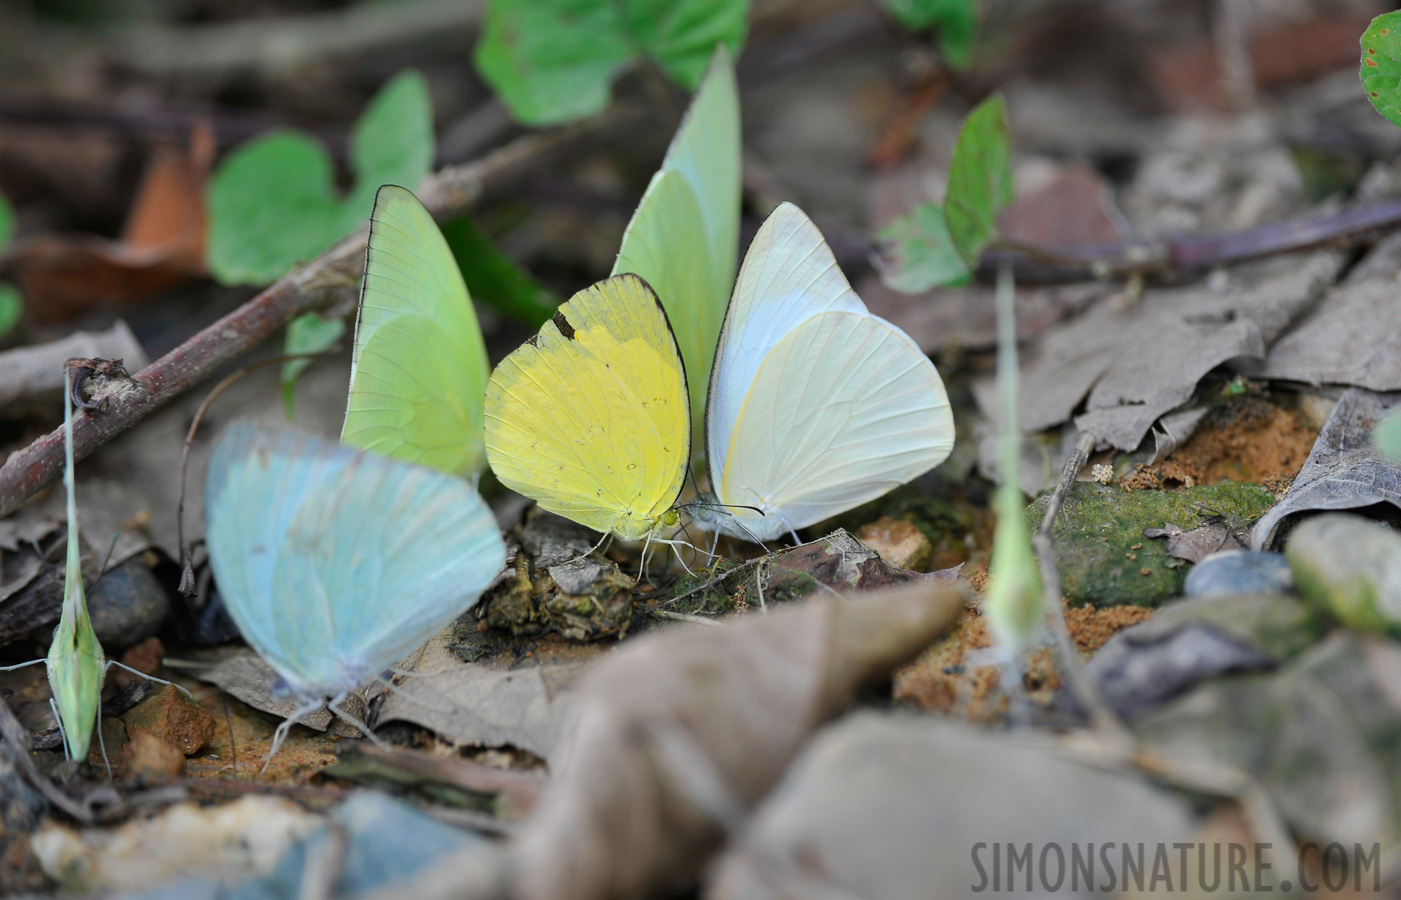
x=1239, y=572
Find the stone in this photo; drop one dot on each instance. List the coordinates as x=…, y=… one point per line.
x=899, y=542
x=128, y=604
x=1101, y=550
x=898, y=806
x=172, y=718
x=1350, y=566
x=1239, y=572
x=148, y=759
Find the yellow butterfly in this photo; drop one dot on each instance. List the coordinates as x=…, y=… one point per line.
x=590, y=417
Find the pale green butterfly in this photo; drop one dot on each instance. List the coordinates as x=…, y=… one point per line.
x=815, y=405
x=419, y=370
x=335, y=563
x=683, y=239
x=76, y=664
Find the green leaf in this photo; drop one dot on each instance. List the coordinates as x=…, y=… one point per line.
x=957, y=21
x=1387, y=436
x=305, y=334
x=392, y=142
x=922, y=253
x=11, y=308
x=7, y=221
x=681, y=35
x=980, y=179
x=552, y=61
x=273, y=202
x=1381, y=65
x=494, y=279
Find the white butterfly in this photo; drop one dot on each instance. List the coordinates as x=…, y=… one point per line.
x=815, y=404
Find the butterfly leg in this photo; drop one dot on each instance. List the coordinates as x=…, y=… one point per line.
x=62, y=735
x=32, y=662
x=101, y=744
x=113, y=662
x=280, y=734
x=335, y=707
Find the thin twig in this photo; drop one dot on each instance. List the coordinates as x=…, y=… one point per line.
x=1102, y=716
x=1189, y=252
x=17, y=736
x=716, y=580
x=308, y=289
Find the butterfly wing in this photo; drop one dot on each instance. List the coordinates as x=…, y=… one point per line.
x=684, y=237
x=335, y=563
x=420, y=367
x=789, y=276
x=844, y=408
x=590, y=417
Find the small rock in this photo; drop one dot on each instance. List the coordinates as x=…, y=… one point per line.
x=1239, y=572
x=899, y=542
x=1351, y=566
x=143, y=657
x=147, y=758
x=128, y=604
x=173, y=718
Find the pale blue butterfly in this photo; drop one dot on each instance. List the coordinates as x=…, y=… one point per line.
x=335, y=563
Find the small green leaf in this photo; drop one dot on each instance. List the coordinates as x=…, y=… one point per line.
x=980, y=179
x=957, y=21
x=273, y=202
x=7, y=221
x=11, y=308
x=392, y=142
x=493, y=279
x=681, y=34
x=305, y=334
x=1381, y=65
x=553, y=60
x=922, y=254
x=1387, y=436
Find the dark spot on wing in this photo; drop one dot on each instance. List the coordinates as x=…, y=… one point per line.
x=533, y=340
x=563, y=325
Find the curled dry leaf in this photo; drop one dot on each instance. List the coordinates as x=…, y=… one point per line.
x=723, y=708
x=1344, y=470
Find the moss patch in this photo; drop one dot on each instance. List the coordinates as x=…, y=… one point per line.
x=1103, y=557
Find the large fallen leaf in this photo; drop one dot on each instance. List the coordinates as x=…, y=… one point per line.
x=1344, y=470
x=1353, y=336
x=621, y=817
x=481, y=703
x=1132, y=364
x=890, y=806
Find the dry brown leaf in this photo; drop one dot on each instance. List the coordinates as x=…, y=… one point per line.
x=729, y=706
x=162, y=244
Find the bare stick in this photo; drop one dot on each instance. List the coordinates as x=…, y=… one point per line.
x=451, y=191
x=1201, y=251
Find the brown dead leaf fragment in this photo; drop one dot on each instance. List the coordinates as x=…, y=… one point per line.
x=675, y=729
x=162, y=244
